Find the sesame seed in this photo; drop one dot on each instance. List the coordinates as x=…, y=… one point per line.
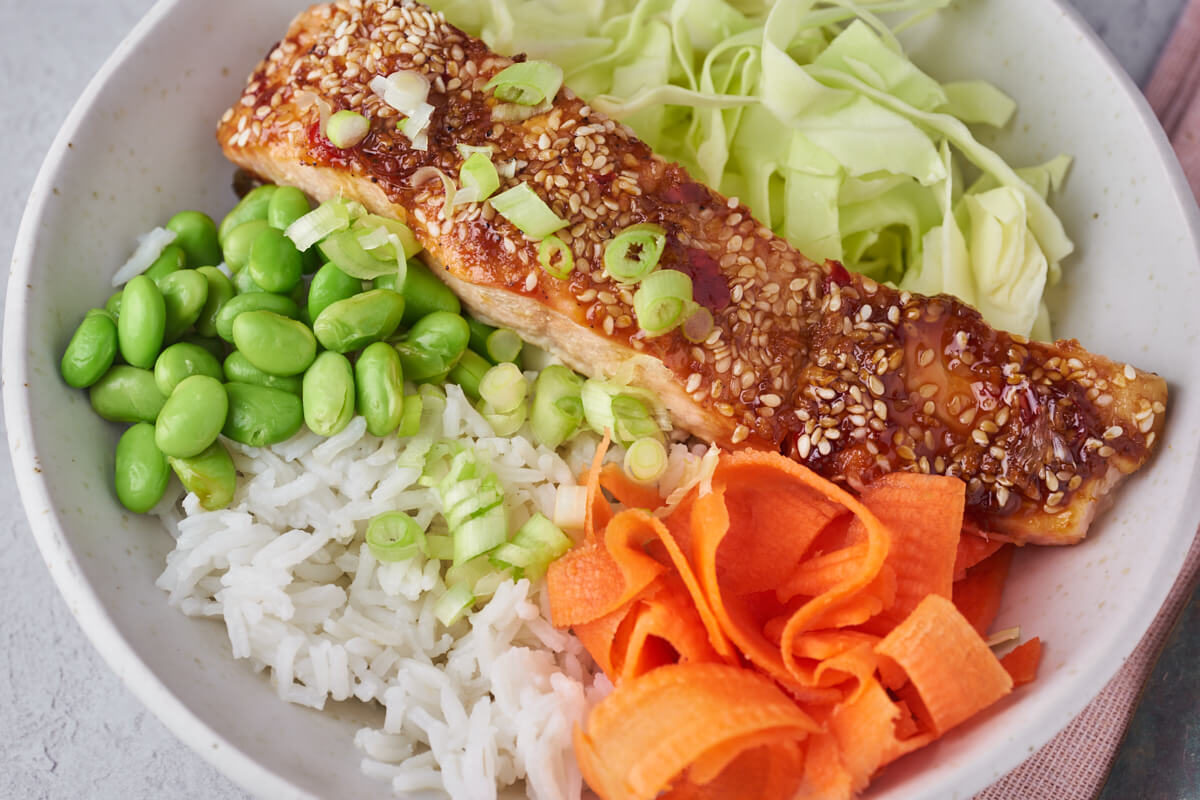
x=1130, y=372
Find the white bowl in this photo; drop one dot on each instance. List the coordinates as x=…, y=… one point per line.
x=139, y=145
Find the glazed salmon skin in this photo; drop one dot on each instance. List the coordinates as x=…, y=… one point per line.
x=852, y=378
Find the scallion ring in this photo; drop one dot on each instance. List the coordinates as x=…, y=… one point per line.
x=521, y=206
x=556, y=257
x=346, y=129
x=478, y=179
x=528, y=83
x=646, y=460
x=698, y=324
x=661, y=300
x=394, y=536
x=634, y=252
x=504, y=387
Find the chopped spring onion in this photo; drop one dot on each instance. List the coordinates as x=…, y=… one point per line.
x=428, y=173
x=570, y=507
x=454, y=604
x=661, y=300
x=326, y=219
x=394, y=536
x=478, y=178
x=468, y=150
x=529, y=83
x=480, y=331
x=698, y=324
x=632, y=420
x=634, y=252
x=521, y=206
x=557, y=407
x=407, y=239
x=149, y=247
x=556, y=257
x=646, y=460
x=407, y=91
x=346, y=129
x=468, y=373
x=537, y=543
x=505, y=424
x=514, y=112
x=416, y=126
x=504, y=388
x=344, y=250
x=410, y=418
x=503, y=345
x=439, y=546
x=625, y=411
x=472, y=499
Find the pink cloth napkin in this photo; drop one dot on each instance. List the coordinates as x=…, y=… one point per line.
x=1075, y=764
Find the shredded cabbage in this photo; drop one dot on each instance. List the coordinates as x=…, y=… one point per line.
x=810, y=112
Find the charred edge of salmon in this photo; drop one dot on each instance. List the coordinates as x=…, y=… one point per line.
x=850, y=377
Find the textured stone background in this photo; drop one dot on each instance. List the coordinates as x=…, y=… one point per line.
x=68, y=727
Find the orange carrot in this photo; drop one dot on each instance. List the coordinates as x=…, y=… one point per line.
x=666, y=629
x=1022, y=663
x=626, y=491
x=977, y=595
x=947, y=662
x=973, y=548
x=868, y=733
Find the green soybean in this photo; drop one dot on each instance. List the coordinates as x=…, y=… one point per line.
x=328, y=286
x=211, y=476
x=359, y=320
x=252, y=301
x=244, y=283
x=274, y=343
x=259, y=415
x=240, y=240
x=433, y=345
x=287, y=205
x=142, y=322
x=328, y=394
x=213, y=345
x=183, y=360
x=220, y=291
x=91, y=350
x=184, y=294
x=254, y=206
x=468, y=372
x=113, y=304
x=141, y=471
x=192, y=417
x=312, y=260
x=127, y=394
x=387, y=282
x=196, y=233
x=480, y=331
x=379, y=380
x=424, y=293
x=238, y=369
x=172, y=259
x=274, y=262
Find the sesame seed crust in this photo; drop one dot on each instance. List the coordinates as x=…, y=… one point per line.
x=850, y=377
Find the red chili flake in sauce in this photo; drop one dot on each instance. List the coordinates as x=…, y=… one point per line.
x=322, y=149
x=709, y=287
x=837, y=274
x=686, y=193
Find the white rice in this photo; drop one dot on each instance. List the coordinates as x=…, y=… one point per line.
x=469, y=710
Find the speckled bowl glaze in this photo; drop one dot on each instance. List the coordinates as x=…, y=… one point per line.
x=139, y=145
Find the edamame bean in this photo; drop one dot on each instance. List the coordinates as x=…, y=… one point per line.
x=328, y=286
x=433, y=345
x=251, y=207
x=238, y=242
x=211, y=476
x=468, y=372
x=274, y=343
x=182, y=360
x=91, y=350
x=184, y=294
x=243, y=283
x=238, y=369
x=259, y=415
x=274, y=262
x=287, y=205
x=196, y=233
x=141, y=471
x=359, y=320
x=328, y=394
x=113, y=304
x=252, y=301
x=220, y=291
x=172, y=259
x=379, y=380
x=424, y=293
x=127, y=394
x=192, y=417
x=213, y=345
x=142, y=322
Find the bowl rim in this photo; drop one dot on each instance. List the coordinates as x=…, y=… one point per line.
x=237, y=765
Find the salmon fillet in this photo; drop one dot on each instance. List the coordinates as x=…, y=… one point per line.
x=852, y=378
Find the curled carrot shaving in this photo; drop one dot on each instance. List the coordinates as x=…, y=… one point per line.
x=1022, y=663
x=977, y=595
x=627, y=492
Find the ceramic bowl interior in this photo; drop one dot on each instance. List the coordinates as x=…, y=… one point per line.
x=140, y=145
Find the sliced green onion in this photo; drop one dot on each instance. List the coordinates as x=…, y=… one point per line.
x=504, y=388
x=394, y=228
x=628, y=413
x=556, y=257
x=394, y=536
x=480, y=534
x=344, y=250
x=468, y=372
x=521, y=206
x=698, y=324
x=410, y=418
x=538, y=542
x=503, y=345
x=328, y=218
x=528, y=83
x=557, y=408
x=439, y=546
x=346, y=129
x=472, y=499
x=632, y=420
x=661, y=300
x=570, y=507
x=478, y=179
x=480, y=331
x=505, y=424
x=416, y=126
x=468, y=150
x=646, y=460
x=454, y=604
x=634, y=252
